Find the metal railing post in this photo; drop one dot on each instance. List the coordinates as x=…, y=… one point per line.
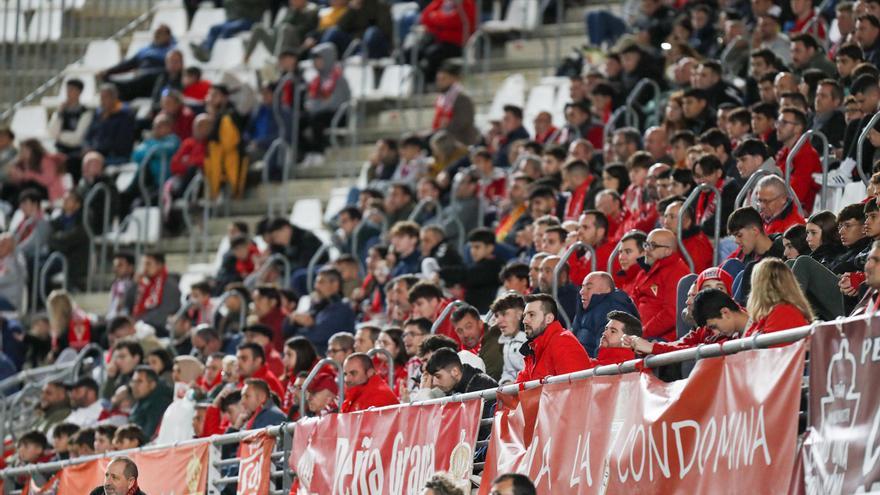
x=139, y=240
x=340, y=378
x=44, y=272
x=789, y=160
x=445, y=314
x=859, y=148
x=101, y=264
x=242, y=315
x=285, y=263
x=563, y=261
x=613, y=256
x=679, y=237
x=388, y=357
x=313, y=262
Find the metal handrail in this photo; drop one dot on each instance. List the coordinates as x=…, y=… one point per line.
x=276, y=258
x=613, y=256
x=563, y=261
x=679, y=238
x=789, y=160
x=859, y=151
x=340, y=382
x=632, y=115
x=388, y=357
x=445, y=314
x=84, y=353
x=192, y=189
x=101, y=263
x=184, y=308
x=242, y=315
x=44, y=271
x=142, y=186
x=609, y=126
x=346, y=108
x=313, y=262
x=753, y=181
x=138, y=242
x=421, y=205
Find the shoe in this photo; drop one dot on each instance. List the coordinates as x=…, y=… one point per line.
x=835, y=178
x=199, y=52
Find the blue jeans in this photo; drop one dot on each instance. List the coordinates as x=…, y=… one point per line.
x=604, y=27
x=226, y=30
x=377, y=44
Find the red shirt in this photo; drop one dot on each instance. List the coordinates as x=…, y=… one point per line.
x=441, y=19
x=191, y=153
x=555, y=352
x=655, y=296
x=613, y=355
x=575, y=205
x=374, y=393
x=695, y=337
x=817, y=29
x=804, y=165
x=275, y=321
x=780, y=223
x=183, y=123
x=783, y=316
x=446, y=328
x=273, y=361
x=626, y=280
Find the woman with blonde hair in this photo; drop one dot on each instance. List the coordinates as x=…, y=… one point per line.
x=70, y=327
x=776, y=301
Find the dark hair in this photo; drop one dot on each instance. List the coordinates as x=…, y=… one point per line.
x=232, y=398
x=443, y=359
x=688, y=137
x=869, y=18
x=863, y=83
x=332, y=273
x=557, y=152
x=306, y=355
x=797, y=236
x=435, y=342
x=156, y=256
x=64, y=429
x=827, y=223
x=745, y=217
x=125, y=255
x=372, y=330
x=522, y=485
x=259, y=384
x=148, y=372
x=635, y=235
x=117, y=323
x=193, y=71
x=752, y=147
x=548, y=304
x=577, y=166
x=426, y=290
x=709, y=164
x=511, y=300
x=708, y=304
x=631, y=324
x=851, y=212
x=353, y=212
x=715, y=138
x=364, y=358
x=84, y=437
x=269, y=292
x=396, y=335
x=256, y=350
x=514, y=110
x=130, y=431
x=599, y=218
x=807, y=39
x=134, y=348
x=31, y=195
x=202, y=286
x=768, y=110
x=34, y=437
x=165, y=357
x=836, y=89
x=799, y=116
x=236, y=242
x=423, y=324
x=107, y=430
x=483, y=235
x=515, y=269
x=559, y=231
x=640, y=159
x=619, y=172
x=850, y=50
x=740, y=115
x=684, y=176
x=464, y=310
x=542, y=192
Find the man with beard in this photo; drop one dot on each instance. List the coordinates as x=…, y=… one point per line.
x=120, y=478
x=550, y=350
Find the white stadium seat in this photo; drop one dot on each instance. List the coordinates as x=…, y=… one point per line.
x=337, y=201
x=101, y=54
x=511, y=92
x=307, y=213
x=203, y=20
x=227, y=54
x=541, y=99
x=361, y=80
x=173, y=17
x=396, y=82
x=13, y=25
x=522, y=15
x=45, y=25
x=88, y=97
x=30, y=122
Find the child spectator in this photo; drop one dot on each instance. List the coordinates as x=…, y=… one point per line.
x=159, y=148
x=129, y=436
x=238, y=262
x=413, y=165
x=82, y=443
x=508, y=310
x=262, y=128
x=195, y=89
x=61, y=438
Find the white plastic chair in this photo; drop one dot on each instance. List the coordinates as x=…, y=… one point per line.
x=30, y=122
x=521, y=15
x=45, y=25
x=361, y=80
x=398, y=10
x=203, y=20
x=511, y=92
x=139, y=39
x=541, y=99
x=279, y=17
x=173, y=17
x=227, y=54
x=338, y=200
x=396, y=82
x=307, y=213
x=100, y=54
x=88, y=97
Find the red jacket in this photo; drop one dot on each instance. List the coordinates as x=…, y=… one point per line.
x=374, y=393
x=783, y=316
x=613, y=355
x=265, y=374
x=626, y=280
x=700, y=249
x=275, y=321
x=581, y=266
x=616, y=226
x=273, y=361
x=641, y=215
x=191, y=153
x=446, y=328
x=805, y=164
x=655, y=296
x=555, y=352
x=183, y=123
x=697, y=336
x=575, y=205
x=780, y=223
x=441, y=19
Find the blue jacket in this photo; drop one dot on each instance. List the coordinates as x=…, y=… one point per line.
x=569, y=298
x=269, y=415
x=112, y=136
x=159, y=164
x=589, y=324
x=330, y=317
x=410, y=264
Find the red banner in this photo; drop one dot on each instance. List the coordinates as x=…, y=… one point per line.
x=391, y=451
x=255, y=467
x=842, y=447
x=178, y=470
x=733, y=422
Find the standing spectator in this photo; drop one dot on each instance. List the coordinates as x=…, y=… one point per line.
x=442, y=20
x=328, y=313
x=551, y=349
x=326, y=93
x=364, y=388
x=240, y=16
x=112, y=131
x=507, y=311
x=656, y=287
x=599, y=297
x=68, y=125
x=146, y=64
x=69, y=238
x=454, y=109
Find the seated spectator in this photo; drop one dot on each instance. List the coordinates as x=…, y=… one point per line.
x=610, y=203
x=794, y=242
x=294, y=243
x=69, y=238
x=195, y=89
x=365, y=338
x=448, y=32
x=62, y=436
x=238, y=262
x=154, y=153
x=632, y=247
x=612, y=346
x=7, y=150
x=151, y=397
x=54, y=407
x=326, y=92
x=567, y=292
x=71, y=327
x=399, y=203
x=791, y=124
x=225, y=161
x=822, y=237
x=34, y=229
x=710, y=170
x=513, y=130
x=68, y=125
x=777, y=303
x=747, y=229
x=129, y=436
x=161, y=361
x=391, y=340
x=104, y=434
x=252, y=364
x=181, y=116
x=112, y=131
x=777, y=210
x=427, y=301
x=507, y=311
x=480, y=279
x=262, y=129
x=124, y=328
x=93, y=176
x=370, y=22
x=582, y=186
x=146, y=64
x=552, y=350
x=200, y=310
x=322, y=396
x=85, y=399
x=413, y=164
x=240, y=16
x=592, y=231
x=158, y=296
x=515, y=277
x=465, y=203
x=287, y=34
x=259, y=406
x=120, y=407
x=32, y=448
x=82, y=443
x=13, y=274
x=477, y=339
x=170, y=82
x=719, y=313
x=454, y=108
x=36, y=167
x=404, y=237
x=657, y=285
x=695, y=242
x=328, y=313
x=364, y=388
x=452, y=376
x=870, y=301
x=299, y=357
x=126, y=356
x=599, y=297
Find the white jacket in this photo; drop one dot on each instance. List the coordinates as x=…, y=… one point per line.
x=513, y=359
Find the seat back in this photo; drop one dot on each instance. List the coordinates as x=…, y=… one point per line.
x=45, y=25
x=172, y=16
x=541, y=99
x=227, y=54
x=204, y=19
x=396, y=82
x=361, y=80
x=101, y=54
x=307, y=213
x=523, y=14
x=511, y=92
x=29, y=122
x=14, y=26
x=684, y=285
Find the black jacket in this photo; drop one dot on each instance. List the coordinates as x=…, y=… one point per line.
x=474, y=380
x=70, y=239
x=100, y=491
x=847, y=261
x=303, y=245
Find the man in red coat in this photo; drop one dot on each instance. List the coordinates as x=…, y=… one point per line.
x=656, y=287
x=552, y=350
x=251, y=360
x=791, y=124
x=777, y=210
x=364, y=388
x=592, y=231
x=611, y=347
x=698, y=246
x=428, y=302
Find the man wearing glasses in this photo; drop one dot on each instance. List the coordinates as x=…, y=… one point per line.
x=777, y=210
x=789, y=127
x=655, y=287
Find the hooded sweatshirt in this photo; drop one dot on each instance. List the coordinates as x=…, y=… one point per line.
x=329, y=89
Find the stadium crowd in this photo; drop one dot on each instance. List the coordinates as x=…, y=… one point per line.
x=477, y=218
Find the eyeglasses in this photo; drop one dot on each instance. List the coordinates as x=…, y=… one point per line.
x=331, y=350
x=765, y=201
x=650, y=246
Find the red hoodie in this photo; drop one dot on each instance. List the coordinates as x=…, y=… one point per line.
x=374, y=393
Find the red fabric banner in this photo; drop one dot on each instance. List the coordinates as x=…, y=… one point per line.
x=733, y=422
x=391, y=451
x=255, y=467
x=177, y=470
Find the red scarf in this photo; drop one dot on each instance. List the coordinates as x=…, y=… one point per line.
x=26, y=228
x=576, y=203
x=79, y=330
x=706, y=202
x=443, y=107
x=323, y=89
x=150, y=292
x=134, y=489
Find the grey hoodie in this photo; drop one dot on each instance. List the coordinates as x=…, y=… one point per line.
x=340, y=94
